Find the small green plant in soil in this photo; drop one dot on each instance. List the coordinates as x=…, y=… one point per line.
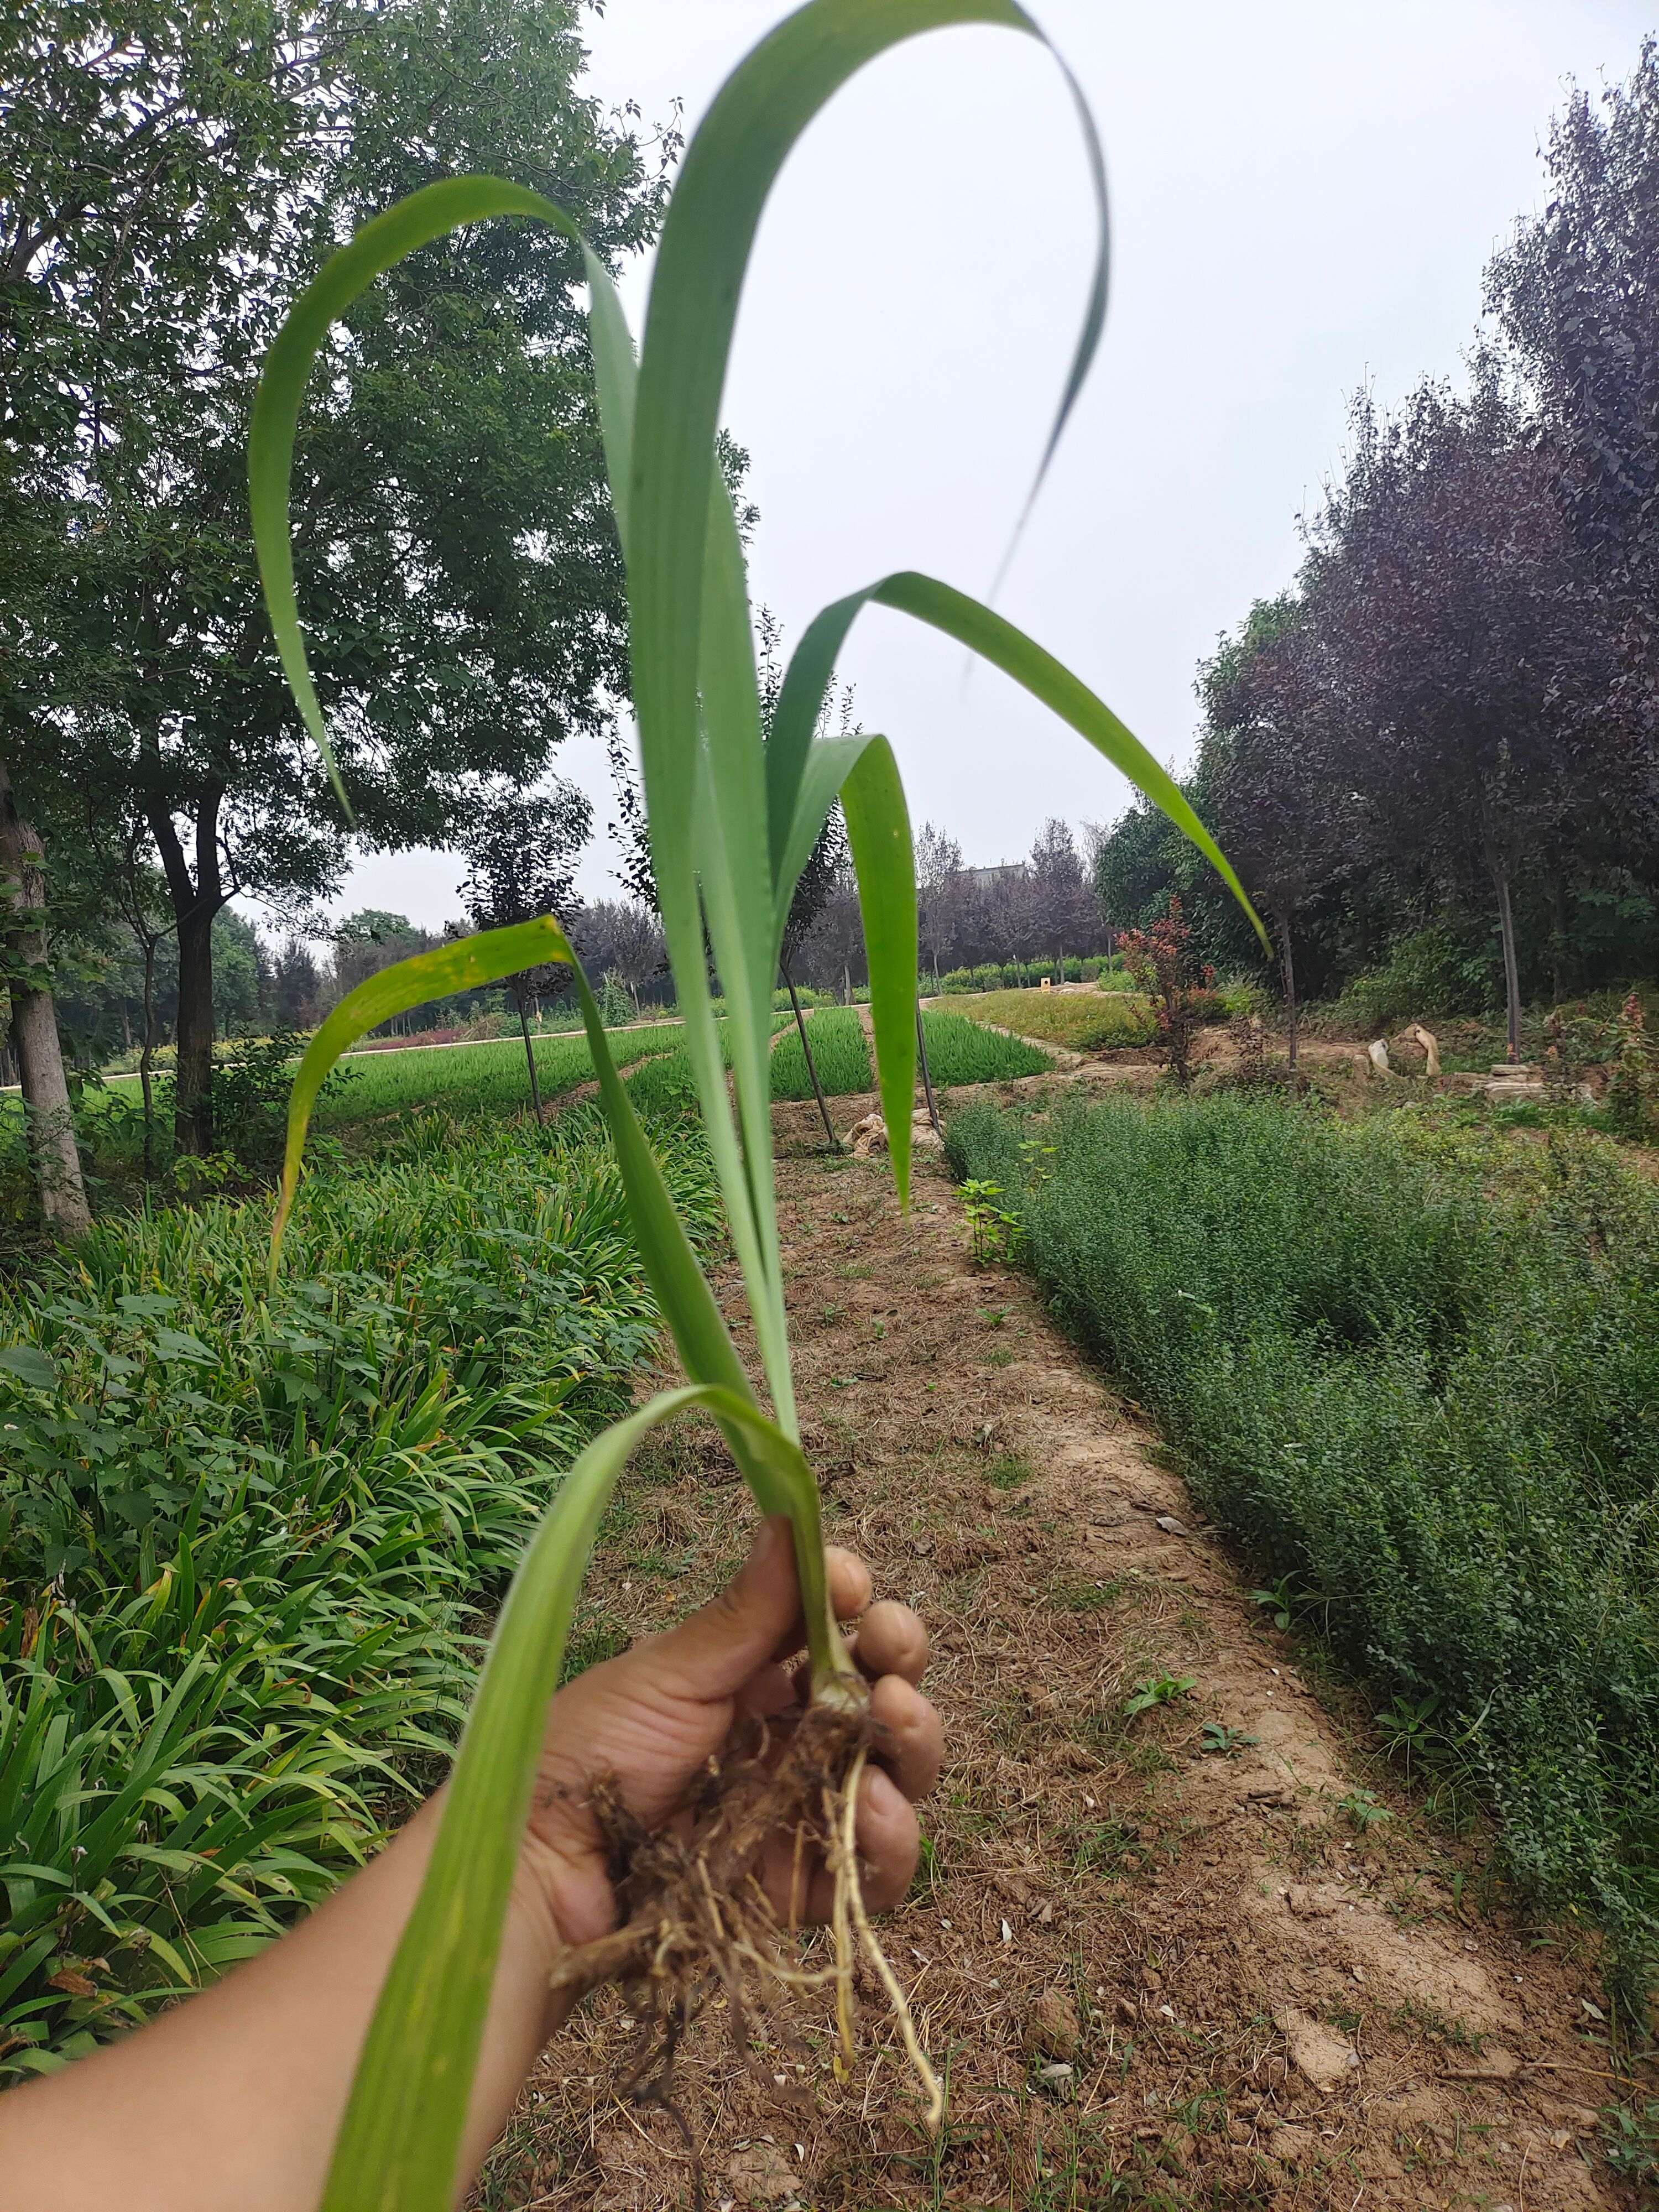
x=991, y=1226
x=1407, y=1727
x=1223, y=1742
x=1157, y=1690
x=1362, y=1813
x=1630, y=2140
x=1008, y=1471
x=1278, y=1603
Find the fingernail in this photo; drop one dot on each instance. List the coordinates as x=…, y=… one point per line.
x=881, y=1793
x=762, y=1549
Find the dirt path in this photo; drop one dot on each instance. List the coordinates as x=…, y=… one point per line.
x=1159, y=1974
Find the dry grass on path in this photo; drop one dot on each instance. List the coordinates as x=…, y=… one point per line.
x=1158, y=1974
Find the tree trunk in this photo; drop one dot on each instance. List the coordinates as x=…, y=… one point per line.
x=926, y=1080
x=35, y=1037
x=147, y=1057
x=192, y=1118
x=194, y=906
x=1511, y=970
x=529, y=1056
x=1288, y=962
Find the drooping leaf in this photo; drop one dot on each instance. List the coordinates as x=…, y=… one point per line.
x=728, y=171
x=995, y=639
x=463, y=965
x=400, y=2139
x=389, y=238
x=878, y=832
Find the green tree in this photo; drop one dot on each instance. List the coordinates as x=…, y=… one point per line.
x=521, y=849
x=171, y=174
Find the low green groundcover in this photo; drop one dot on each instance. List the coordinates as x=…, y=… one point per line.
x=248, y=1535
x=1414, y=1368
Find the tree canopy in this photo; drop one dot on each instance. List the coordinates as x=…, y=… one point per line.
x=171, y=176
x=1451, y=723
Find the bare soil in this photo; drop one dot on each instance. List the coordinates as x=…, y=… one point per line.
x=1254, y=1975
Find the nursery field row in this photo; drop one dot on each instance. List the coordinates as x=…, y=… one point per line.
x=1083, y=1021
x=959, y=1052
x=489, y=1078
x=1409, y=1365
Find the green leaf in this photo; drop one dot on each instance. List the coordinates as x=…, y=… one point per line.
x=1046, y=678
x=688, y=1304
x=36, y=1369
x=730, y=845
x=677, y=565
x=178, y=1344
x=878, y=832
x=698, y=282
x=389, y=238
x=400, y=2140
x=462, y=966
x=996, y=639
x=828, y=765
x=795, y=718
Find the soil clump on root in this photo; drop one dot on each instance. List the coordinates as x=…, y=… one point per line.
x=697, y=1920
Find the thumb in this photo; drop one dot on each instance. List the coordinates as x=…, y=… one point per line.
x=713, y=1652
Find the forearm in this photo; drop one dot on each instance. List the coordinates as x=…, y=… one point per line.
x=233, y=2098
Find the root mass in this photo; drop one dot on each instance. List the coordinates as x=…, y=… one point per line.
x=696, y=1920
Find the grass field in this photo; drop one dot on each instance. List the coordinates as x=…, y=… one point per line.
x=960, y=1051
x=839, y=1053
x=489, y=1079
x=1084, y=1021
x=1411, y=1365
x=248, y=1537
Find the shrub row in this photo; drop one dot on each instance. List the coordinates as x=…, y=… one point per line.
x=1023, y=975
x=1415, y=1371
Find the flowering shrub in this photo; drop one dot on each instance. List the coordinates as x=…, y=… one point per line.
x=1183, y=990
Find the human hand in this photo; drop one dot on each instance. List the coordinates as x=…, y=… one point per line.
x=235, y=2097
x=654, y=1716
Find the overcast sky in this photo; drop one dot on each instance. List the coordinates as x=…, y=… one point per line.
x=1305, y=194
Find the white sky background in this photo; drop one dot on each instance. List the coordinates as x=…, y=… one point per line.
x=1305, y=194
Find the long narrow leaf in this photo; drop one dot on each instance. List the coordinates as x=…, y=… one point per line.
x=828, y=764
x=400, y=2140
x=462, y=966
x=688, y=1304
x=729, y=816
x=727, y=173
x=990, y=634
x=389, y=238
x=878, y=832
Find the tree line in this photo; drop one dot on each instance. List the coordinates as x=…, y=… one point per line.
x=1440, y=746
x=1033, y=912
x=170, y=179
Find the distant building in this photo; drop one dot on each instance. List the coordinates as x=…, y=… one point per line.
x=991, y=880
